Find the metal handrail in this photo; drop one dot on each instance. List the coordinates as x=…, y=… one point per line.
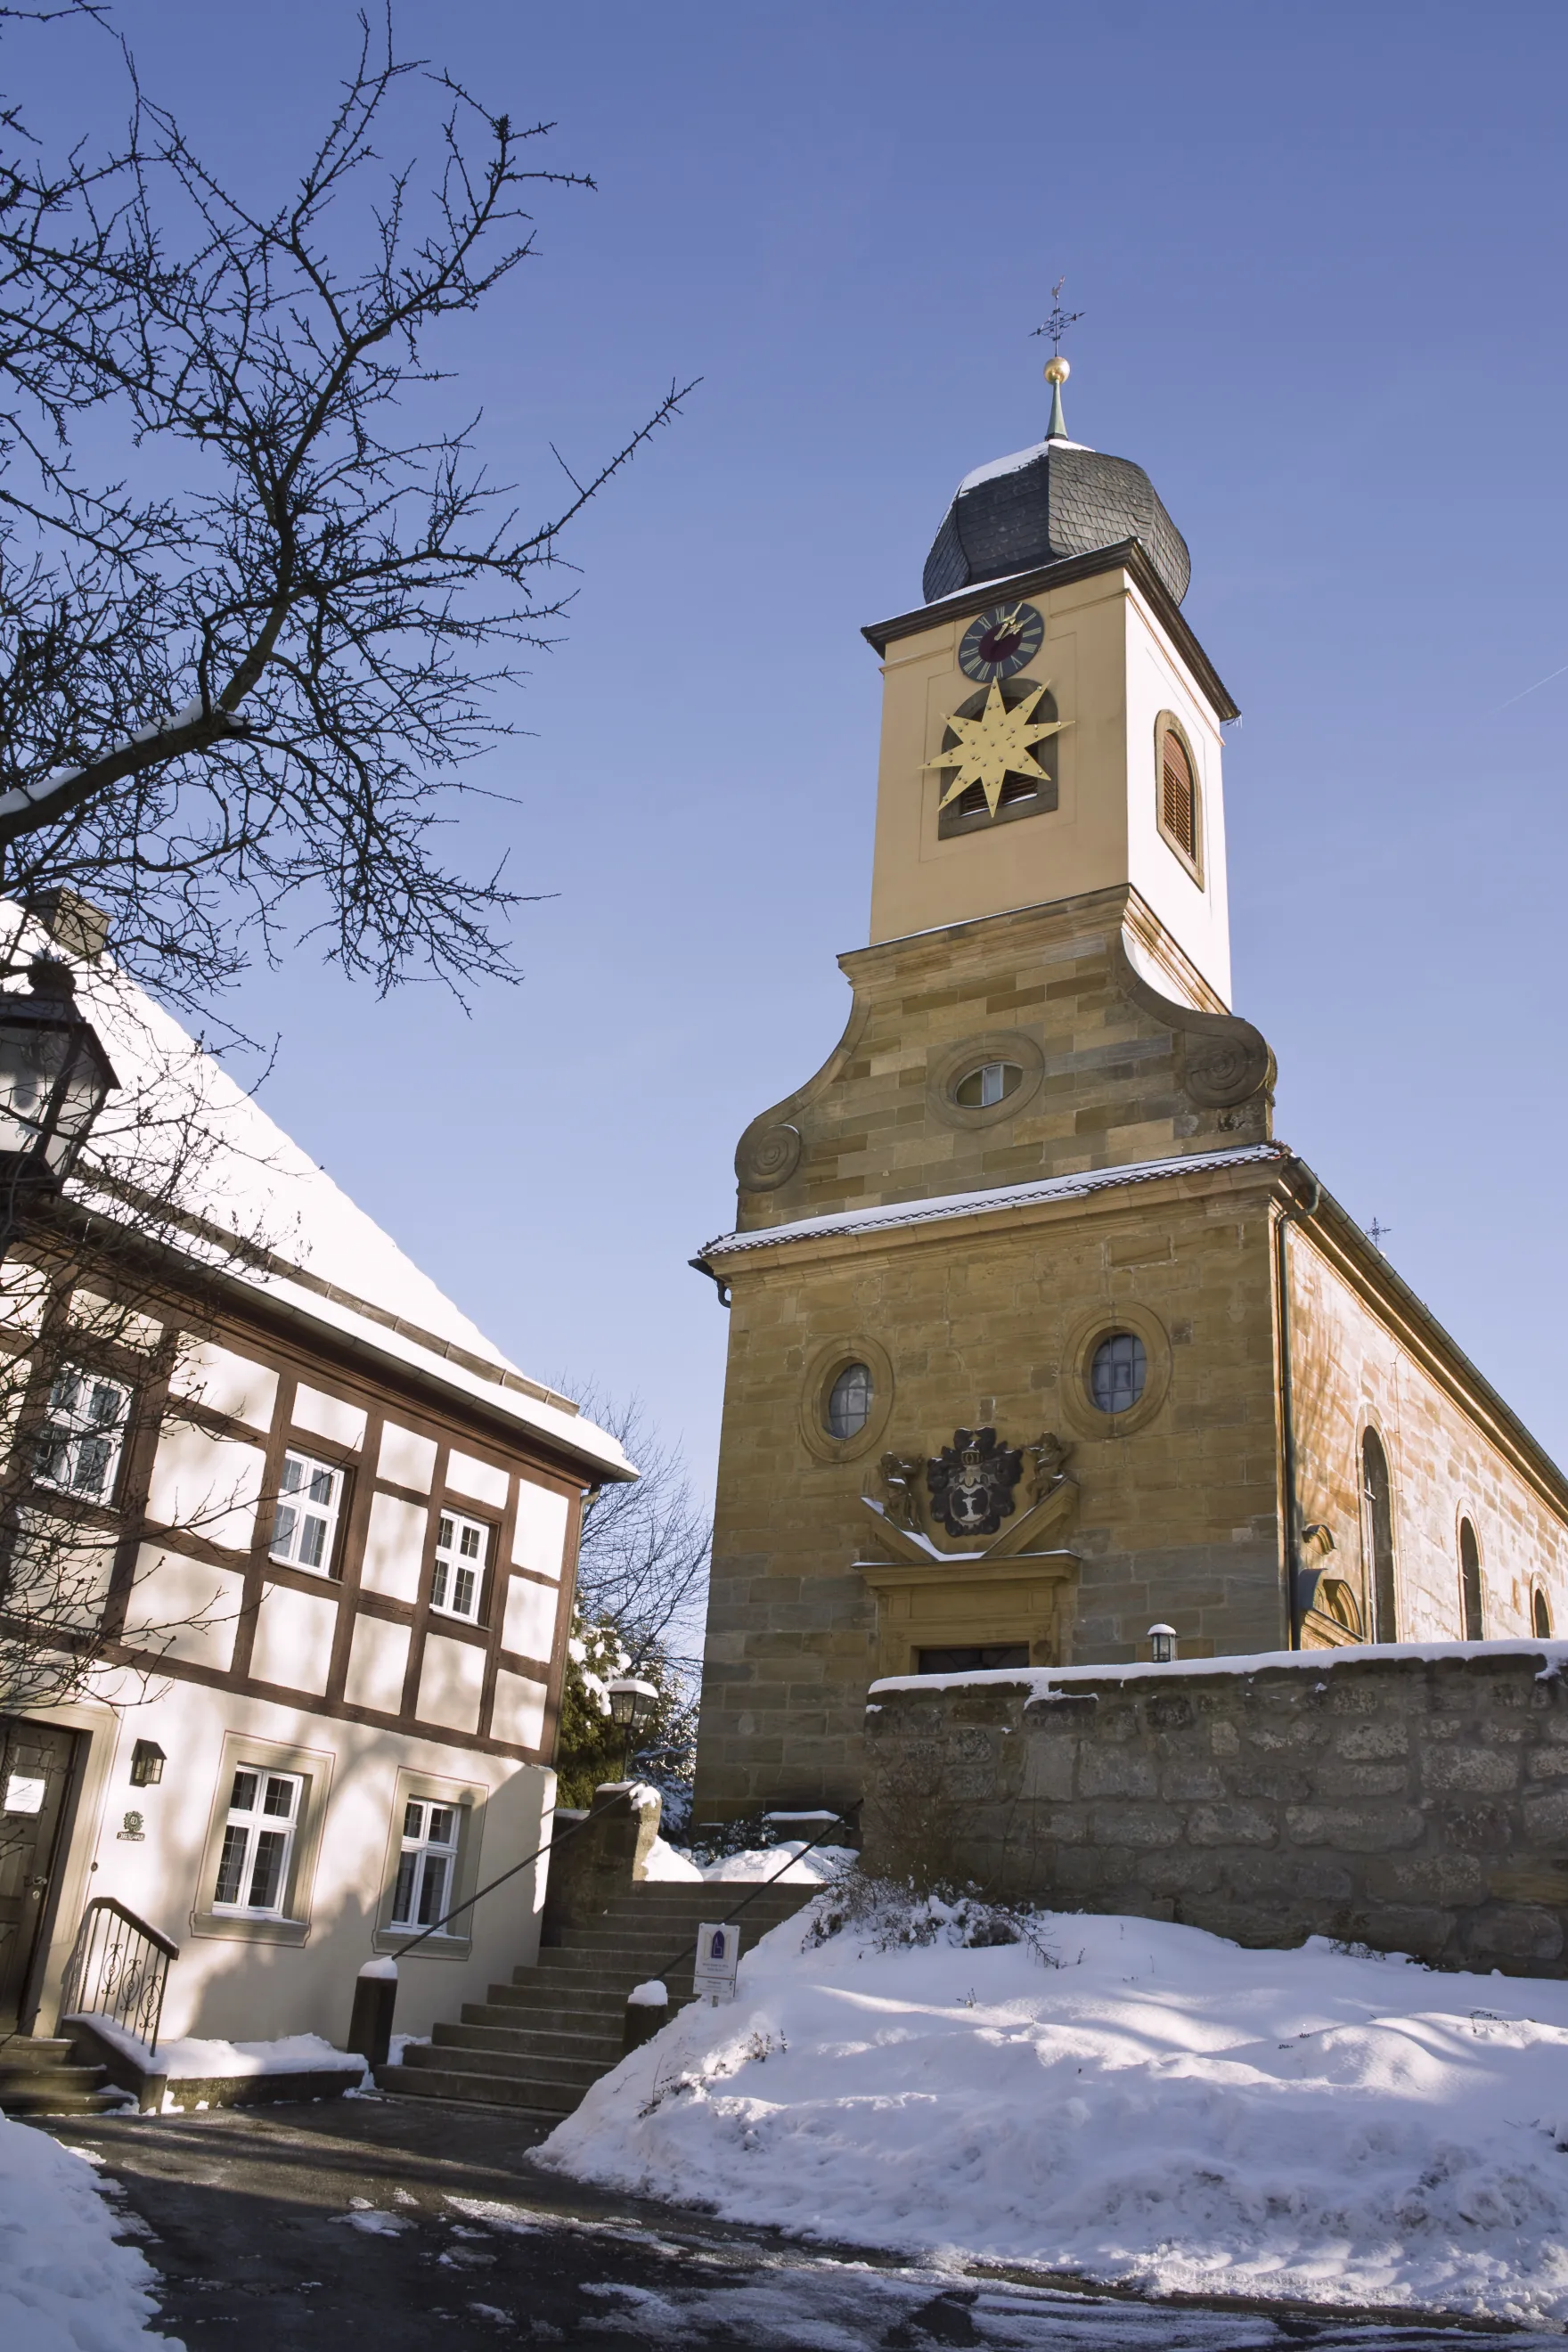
x=551, y=1842
x=845, y=1821
x=118, y=1969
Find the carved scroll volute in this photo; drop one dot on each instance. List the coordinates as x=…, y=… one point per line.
x=766, y=1157
x=1218, y=1073
x=1223, y=1060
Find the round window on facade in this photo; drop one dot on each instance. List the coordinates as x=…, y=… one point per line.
x=849, y=1401
x=1118, y=1371
x=992, y=1082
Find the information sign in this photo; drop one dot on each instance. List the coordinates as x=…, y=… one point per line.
x=717, y=1955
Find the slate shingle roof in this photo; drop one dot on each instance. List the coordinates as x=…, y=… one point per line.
x=1052, y=502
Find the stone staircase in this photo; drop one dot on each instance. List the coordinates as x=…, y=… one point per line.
x=39, y=2078
x=543, y=2039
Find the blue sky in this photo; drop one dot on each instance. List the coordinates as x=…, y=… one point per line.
x=1320, y=254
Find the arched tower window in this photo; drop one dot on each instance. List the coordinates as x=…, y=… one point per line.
x=1541, y=1614
x=1378, y=1537
x=1028, y=790
x=1179, y=802
x=1470, y=1583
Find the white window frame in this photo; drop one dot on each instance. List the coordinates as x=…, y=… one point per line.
x=451, y=1565
x=71, y=1429
x=252, y=1817
x=428, y=1860
x=291, y=1500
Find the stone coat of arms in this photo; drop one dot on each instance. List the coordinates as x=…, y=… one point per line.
x=972, y=1482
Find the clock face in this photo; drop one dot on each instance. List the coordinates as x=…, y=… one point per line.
x=1000, y=642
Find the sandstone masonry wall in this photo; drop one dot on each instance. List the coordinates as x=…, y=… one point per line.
x=1415, y=1803
x=1351, y=1372
x=1176, y=1519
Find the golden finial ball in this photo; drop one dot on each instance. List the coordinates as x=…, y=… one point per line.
x=1056, y=370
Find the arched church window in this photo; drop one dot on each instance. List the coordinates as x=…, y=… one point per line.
x=849, y=1401
x=1337, y=1600
x=1377, y=1536
x=1180, y=811
x=1470, y=1583
x=1118, y=1371
x=992, y=1082
x=1541, y=1614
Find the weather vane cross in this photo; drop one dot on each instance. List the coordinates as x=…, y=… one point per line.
x=1057, y=368
x=1058, y=322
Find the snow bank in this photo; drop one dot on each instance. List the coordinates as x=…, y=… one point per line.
x=817, y=1868
x=1160, y=2109
x=65, y=2285
x=667, y=1861
x=188, y=2060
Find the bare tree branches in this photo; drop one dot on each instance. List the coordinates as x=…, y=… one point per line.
x=239, y=713
x=642, y=1564
x=98, y=1309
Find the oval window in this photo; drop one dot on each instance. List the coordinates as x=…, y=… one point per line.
x=992, y=1082
x=1118, y=1371
x=849, y=1401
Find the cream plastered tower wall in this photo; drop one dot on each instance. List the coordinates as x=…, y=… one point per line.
x=1112, y=669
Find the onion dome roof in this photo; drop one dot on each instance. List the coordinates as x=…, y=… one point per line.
x=1056, y=500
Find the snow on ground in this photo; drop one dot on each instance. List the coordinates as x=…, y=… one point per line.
x=65, y=2285
x=813, y=1869
x=1148, y=2105
x=776, y=2298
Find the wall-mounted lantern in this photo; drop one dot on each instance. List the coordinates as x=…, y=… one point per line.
x=54, y=1076
x=1161, y=1643
x=147, y=1761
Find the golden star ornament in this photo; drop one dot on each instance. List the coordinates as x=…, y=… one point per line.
x=996, y=745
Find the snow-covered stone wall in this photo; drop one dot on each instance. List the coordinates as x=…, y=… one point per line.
x=1410, y=1801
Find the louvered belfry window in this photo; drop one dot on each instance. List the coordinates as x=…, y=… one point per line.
x=1178, y=795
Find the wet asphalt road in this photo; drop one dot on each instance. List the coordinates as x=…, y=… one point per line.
x=398, y=2224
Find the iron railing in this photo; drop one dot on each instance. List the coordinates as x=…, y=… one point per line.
x=118, y=1970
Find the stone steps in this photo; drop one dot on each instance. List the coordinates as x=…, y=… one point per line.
x=542, y=2041
x=43, y=2077
x=566, y=2040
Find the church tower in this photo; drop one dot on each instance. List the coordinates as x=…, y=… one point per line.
x=1009, y=1377
x=1051, y=659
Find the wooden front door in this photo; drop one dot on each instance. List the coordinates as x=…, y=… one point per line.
x=36, y=1761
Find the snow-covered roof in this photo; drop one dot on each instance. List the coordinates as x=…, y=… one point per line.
x=1001, y=1196
x=1016, y=463
x=179, y=1129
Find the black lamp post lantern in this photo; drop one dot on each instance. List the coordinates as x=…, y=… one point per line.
x=54, y=1077
x=1161, y=1643
x=632, y=1701
x=147, y=1761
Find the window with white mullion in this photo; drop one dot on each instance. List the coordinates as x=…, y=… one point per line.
x=309, y=1497
x=258, y=1843
x=426, y=1867
x=83, y=1436
x=462, y=1550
